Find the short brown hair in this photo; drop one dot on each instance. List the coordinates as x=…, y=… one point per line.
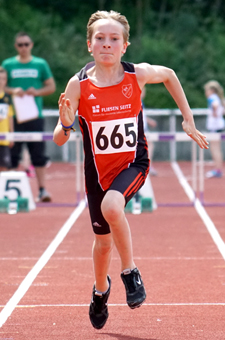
x=108, y=15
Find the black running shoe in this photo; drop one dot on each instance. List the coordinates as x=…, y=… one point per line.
x=134, y=288
x=98, y=311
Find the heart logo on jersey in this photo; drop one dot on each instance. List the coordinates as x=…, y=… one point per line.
x=127, y=90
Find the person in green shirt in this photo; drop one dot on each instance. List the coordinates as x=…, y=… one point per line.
x=30, y=75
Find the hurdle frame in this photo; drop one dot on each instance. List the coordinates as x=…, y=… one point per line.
x=197, y=175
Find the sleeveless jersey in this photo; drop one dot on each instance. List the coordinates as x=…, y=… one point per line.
x=111, y=123
x=6, y=111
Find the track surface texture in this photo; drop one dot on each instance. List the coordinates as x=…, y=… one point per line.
x=181, y=265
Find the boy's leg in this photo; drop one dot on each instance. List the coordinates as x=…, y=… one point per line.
x=113, y=211
x=110, y=225
x=103, y=242
x=102, y=250
x=98, y=310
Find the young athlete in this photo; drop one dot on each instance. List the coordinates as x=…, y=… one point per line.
x=107, y=95
x=6, y=122
x=215, y=123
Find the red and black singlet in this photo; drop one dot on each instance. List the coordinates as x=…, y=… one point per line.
x=111, y=123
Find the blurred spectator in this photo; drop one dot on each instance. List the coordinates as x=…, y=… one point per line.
x=6, y=122
x=215, y=123
x=26, y=163
x=29, y=78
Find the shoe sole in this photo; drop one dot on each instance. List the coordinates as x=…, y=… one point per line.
x=98, y=327
x=137, y=305
x=46, y=199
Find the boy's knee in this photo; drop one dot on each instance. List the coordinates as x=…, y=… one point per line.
x=110, y=212
x=112, y=206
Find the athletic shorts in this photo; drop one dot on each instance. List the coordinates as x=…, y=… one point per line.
x=36, y=149
x=128, y=182
x=5, y=157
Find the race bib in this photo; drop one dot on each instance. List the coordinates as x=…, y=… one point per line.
x=115, y=136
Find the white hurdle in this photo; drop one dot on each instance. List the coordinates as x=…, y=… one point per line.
x=194, y=167
x=198, y=177
x=79, y=168
x=198, y=172
x=48, y=136
x=201, y=175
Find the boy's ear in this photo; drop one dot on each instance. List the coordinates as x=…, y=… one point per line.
x=89, y=46
x=125, y=45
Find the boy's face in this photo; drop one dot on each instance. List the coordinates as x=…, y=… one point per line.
x=107, y=43
x=3, y=80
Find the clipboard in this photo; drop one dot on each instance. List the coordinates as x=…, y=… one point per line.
x=25, y=108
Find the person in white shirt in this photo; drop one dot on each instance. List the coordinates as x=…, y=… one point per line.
x=215, y=123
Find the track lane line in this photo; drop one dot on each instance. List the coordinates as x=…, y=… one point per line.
x=115, y=258
x=200, y=210
x=28, y=280
x=125, y=305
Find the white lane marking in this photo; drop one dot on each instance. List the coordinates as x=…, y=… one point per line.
x=200, y=210
x=141, y=258
x=183, y=182
x=26, y=283
x=125, y=305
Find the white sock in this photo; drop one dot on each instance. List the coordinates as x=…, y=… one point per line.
x=126, y=271
x=99, y=293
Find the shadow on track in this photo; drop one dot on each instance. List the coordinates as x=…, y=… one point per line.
x=126, y=337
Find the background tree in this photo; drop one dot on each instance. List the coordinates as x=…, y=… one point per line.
x=186, y=35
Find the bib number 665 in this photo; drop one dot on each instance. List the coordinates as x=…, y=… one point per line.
x=113, y=138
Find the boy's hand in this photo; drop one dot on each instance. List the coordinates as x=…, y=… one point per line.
x=66, y=112
x=197, y=136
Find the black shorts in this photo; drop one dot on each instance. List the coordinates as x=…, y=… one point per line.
x=128, y=182
x=5, y=156
x=36, y=149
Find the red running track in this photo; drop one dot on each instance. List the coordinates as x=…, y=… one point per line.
x=182, y=268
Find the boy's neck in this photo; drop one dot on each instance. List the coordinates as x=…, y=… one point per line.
x=106, y=76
